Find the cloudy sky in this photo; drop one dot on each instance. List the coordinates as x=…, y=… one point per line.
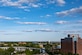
x=39, y=20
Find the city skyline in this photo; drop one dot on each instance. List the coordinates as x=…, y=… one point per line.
x=37, y=20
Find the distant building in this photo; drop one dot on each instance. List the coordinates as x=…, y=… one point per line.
x=20, y=48
x=22, y=43
x=72, y=44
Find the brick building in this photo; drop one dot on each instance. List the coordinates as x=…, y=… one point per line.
x=72, y=44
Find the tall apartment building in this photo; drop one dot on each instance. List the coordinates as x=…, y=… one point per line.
x=71, y=44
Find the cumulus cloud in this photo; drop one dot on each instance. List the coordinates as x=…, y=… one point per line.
x=9, y=18
x=68, y=22
x=45, y=30
x=9, y=3
x=32, y=23
x=20, y=3
x=70, y=12
x=25, y=4
x=46, y=16
x=50, y=1
x=61, y=22
x=34, y=5
x=58, y=2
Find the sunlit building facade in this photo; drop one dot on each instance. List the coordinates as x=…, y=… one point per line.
x=71, y=44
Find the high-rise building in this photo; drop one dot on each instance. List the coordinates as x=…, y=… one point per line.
x=72, y=44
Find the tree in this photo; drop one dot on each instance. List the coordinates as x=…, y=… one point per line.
x=10, y=50
x=1, y=51
x=28, y=52
x=4, y=52
x=48, y=48
x=36, y=51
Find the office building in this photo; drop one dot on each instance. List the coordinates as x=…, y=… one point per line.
x=71, y=44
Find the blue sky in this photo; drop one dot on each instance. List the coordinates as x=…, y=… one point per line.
x=39, y=20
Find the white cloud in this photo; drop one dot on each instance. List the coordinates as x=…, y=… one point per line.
x=46, y=16
x=62, y=13
x=68, y=22
x=32, y=23
x=45, y=30
x=70, y=12
x=34, y=5
x=9, y=18
x=51, y=1
x=61, y=22
x=58, y=2
x=9, y=3
x=23, y=4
